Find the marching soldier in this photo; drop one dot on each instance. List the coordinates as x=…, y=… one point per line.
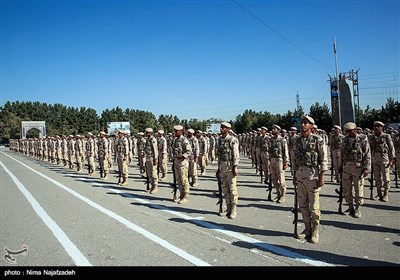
x=181, y=153
x=264, y=150
x=151, y=151
x=162, y=154
x=90, y=150
x=194, y=143
x=202, y=152
x=122, y=156
x=228, y=160
x=79, y=152
x=310, y=165
x=383, y=158
x=279, y=158
x=355, y=165
x=141, y=154
x=335, y=143
x=103, y=147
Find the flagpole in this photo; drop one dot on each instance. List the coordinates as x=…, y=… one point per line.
x=337, y=80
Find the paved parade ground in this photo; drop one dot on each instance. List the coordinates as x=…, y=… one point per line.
x=54, y=216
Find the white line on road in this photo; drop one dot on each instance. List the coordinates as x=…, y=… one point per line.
x=68, y=245
x=198, y=220
x=130, y=225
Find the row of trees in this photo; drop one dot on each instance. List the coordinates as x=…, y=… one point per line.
x=61, y=119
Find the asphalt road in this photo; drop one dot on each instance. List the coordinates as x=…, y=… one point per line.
x=70, y=219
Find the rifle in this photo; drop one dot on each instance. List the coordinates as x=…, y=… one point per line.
x=295, y=211
x=371, y=181
x=220, y=194
x=101, y=168
x=340, y=193
x=269, y=187
x=147, y=182
x=119, y=175
x=174, y=183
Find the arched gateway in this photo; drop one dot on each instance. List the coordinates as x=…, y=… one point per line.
x=27, y=125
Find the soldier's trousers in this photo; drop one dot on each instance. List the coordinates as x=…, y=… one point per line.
x=151, y=171
x=162, y=162
x=265, y=164
x=278, y=176
x=181, y=171
x=91, y=165
x=381, y=176
x=308, y=197
x=192, y=169
x=352, y=176
x=228, y=184
x=123, y=167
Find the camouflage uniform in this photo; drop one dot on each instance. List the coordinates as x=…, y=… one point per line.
x=194, y=144
x=382, y=152
x=181, y=151
x=90, y=150
x=310, y=163
x=228, y=159
x=151, y=151
x=356, y=162
x=278, y=153
x=103, y=155
x=162, y=154
x=122, y=156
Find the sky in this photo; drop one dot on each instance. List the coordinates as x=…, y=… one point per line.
x=197, y=59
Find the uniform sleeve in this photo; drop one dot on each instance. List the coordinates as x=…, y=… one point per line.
x=187, y=148
x=235, y=151
x=392, y=153
x=285, y=154
x=154, y=147
x=322, y=155
x=366, y=154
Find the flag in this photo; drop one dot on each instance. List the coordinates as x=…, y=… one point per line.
x=334, y=44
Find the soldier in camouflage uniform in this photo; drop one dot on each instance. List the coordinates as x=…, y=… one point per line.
x=90, y=150
x=181, y=151
x=355, y=165
x=162, y=154
x=228, y=160
x=310, y=166
x=151, y=151
x=79, y=152
x=103, y=155
x=383, y=158
x=279, y=158
x=122, y=156
x=335, y=143
x=264, y=149
x=194, y=144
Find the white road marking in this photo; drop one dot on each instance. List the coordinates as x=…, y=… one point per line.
x=130, y=225
x=68, y=245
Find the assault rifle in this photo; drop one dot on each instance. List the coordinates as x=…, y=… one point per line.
x=269, y=187
x=340, y=193
x=371, y=181
x=295, y=211
x=220, y=200
x=147, y=183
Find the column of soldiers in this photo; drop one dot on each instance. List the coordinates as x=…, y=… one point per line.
x=306, y=153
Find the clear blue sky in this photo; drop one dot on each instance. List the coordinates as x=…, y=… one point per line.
x=196, y=59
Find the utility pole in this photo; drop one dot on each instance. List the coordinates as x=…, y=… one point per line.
x=337, y=80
